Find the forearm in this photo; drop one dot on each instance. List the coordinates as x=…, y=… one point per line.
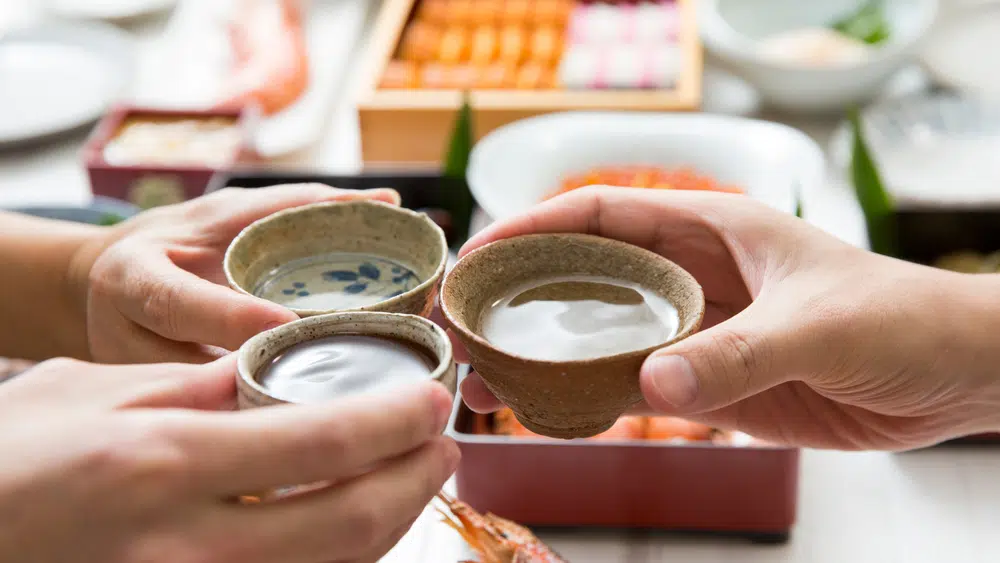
x=42, y=308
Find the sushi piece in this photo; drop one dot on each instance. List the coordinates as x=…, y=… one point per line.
x=434, y=76
x=663, y=65
x=462, y=76
x=656, y=22
x=546, y=46
x=421, y=42
x=626, y=66
x=600, y=23
x=580, y=67
x=484, y=45
x=454, y=46
x=535, y=76
x=400, y=75
x=513, y=45
x=497, y=76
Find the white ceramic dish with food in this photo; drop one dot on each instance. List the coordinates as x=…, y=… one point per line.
x=736, y=32
x=931, y=150
x=520, y=164
x=58, y=77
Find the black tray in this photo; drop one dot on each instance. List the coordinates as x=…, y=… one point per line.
x=445, y=200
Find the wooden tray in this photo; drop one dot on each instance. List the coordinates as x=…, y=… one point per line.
x=413, y=126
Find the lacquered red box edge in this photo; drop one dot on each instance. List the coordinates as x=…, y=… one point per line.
x=630, y=484
x=183, y=182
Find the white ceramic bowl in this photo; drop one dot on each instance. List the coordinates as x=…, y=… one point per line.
x=520, y=164
x=731, y=29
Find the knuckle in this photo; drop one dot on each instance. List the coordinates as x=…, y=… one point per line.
x=160, y=306
x=60, y=366
x=141, y=459
x=742, y=355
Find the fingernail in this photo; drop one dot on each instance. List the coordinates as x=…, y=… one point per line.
x=272, y=326
x=673, y=379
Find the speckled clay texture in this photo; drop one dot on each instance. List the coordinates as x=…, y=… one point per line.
x=261, y=349
x=367, y=227
x=561, y=399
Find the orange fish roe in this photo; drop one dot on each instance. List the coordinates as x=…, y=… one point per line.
x=649, y=177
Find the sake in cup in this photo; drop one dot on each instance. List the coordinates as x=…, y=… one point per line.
x=552, y=393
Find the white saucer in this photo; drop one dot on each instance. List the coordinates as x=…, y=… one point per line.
x=110, y=10
x=59, y=77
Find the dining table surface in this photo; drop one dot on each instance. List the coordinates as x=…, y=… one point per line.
x=939, y=504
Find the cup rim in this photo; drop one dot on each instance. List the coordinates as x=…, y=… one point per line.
x=247, y=378
x=683, y=332
x=413, y=215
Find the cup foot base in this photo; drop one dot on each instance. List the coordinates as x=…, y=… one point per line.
x=566, y=432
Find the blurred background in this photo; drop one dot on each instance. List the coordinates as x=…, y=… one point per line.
x=477, y=109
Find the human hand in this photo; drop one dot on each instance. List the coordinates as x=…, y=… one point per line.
x=110, y=464
x=807, y=340
x=155, y=289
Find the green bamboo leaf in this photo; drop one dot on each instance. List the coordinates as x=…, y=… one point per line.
x=460, y=146
x=867, y=25
x=880, y=217
x=455, y=166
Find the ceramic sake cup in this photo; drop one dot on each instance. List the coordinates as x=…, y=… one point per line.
x=387, y=258
x=260, y=350
x=561, y=399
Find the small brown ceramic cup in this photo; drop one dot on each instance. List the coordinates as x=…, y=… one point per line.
x=258, y=352
x=363, y=227
x=564, y=399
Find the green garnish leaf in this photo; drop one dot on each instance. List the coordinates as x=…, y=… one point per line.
x=867, y=25
x=109, y=219
x=455, y=166
x=460, y=146
x=875, y=202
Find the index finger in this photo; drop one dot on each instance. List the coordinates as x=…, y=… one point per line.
x=638, y=216
x=258, y=449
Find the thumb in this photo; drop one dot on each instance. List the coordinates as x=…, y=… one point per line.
x=719, y=366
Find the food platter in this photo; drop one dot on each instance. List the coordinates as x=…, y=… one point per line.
x=407, y=122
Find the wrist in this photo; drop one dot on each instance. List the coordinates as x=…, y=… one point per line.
x=76, y=281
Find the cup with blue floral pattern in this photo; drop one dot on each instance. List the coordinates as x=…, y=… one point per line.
x=341, y=256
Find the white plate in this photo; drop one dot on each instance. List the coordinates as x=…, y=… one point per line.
x=931, y=149
x=111, y=10
x=518, y=165
x=961, y=50
x=56, y=78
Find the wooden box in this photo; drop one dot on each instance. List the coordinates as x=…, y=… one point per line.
x=413, y=126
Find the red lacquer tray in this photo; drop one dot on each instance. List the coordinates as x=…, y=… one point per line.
x=742, y=490
x=147, y=185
